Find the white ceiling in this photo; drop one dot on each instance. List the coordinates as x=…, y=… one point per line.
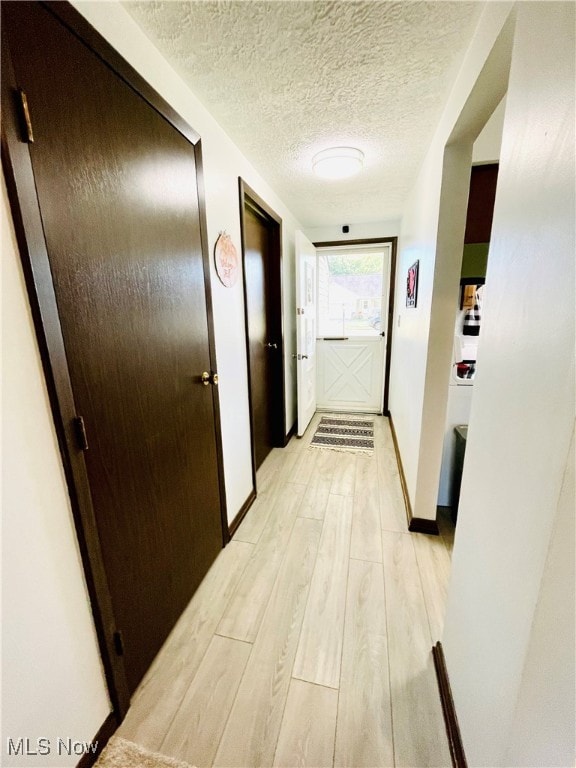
x=287, y=78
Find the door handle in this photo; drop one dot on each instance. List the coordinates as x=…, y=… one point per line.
x=302, y=357
x=383, y=333
x=271, y=346
x=209, y=378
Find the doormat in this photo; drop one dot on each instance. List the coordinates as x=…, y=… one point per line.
x=351, y=433
x=120, y=753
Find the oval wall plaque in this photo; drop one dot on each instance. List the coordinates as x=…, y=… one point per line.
x=226, y=260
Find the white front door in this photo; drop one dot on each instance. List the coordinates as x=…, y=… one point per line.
x=305, y=330
x=353, y=295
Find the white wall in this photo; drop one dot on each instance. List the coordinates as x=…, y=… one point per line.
x=387, y=228
x=52, y=681
x=509, y=629
x=223, y=164
x=487, y=146
x=543, y=729
x=420, y=358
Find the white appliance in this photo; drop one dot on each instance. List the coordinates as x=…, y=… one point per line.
x=464, y=360
x=459, y=402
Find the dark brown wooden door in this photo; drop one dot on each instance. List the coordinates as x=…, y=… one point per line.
x=257, y=249
x=118, y=196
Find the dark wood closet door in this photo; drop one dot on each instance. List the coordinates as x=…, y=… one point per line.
x=118, y=196
x=257, y=249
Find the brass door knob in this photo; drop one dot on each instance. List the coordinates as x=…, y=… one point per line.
x=209, y=378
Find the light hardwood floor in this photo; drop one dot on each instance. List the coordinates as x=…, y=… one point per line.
x=309, y=641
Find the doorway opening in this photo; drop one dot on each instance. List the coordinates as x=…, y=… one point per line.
x=262, y=274
x=468, y=316
x=345, y=298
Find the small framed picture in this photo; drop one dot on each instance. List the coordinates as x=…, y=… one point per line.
x=412, y=285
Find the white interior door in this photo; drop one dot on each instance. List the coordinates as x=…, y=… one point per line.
x=306, y=290
x=353, y=296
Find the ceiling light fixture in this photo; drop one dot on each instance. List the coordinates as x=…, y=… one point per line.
x=338, y=162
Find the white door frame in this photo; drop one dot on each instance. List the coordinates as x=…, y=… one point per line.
x=306, y=320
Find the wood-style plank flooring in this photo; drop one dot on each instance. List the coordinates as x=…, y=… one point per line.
x=309, y=641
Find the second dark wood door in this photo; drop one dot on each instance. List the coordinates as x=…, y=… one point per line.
x=118, y=196
x=263, y=336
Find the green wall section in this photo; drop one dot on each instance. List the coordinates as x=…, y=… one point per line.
x=475, y=260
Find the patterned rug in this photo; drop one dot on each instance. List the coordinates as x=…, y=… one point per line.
x=120, y=753
x=345, y=432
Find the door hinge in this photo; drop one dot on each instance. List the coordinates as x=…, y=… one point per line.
x=81, y=435
x=118, y=643
x=26, y=117
x=299, y=310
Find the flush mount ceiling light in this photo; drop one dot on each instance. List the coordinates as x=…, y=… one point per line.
x=338, y=162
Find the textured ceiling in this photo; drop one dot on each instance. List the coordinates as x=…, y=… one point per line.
x=287, y=78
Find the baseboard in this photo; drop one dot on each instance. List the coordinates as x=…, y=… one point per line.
x=106, y=730
x=415, y=524
x=407, y=504
x=233, y=527
x=448, y=708
x=290, y=434
x=423, y=525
